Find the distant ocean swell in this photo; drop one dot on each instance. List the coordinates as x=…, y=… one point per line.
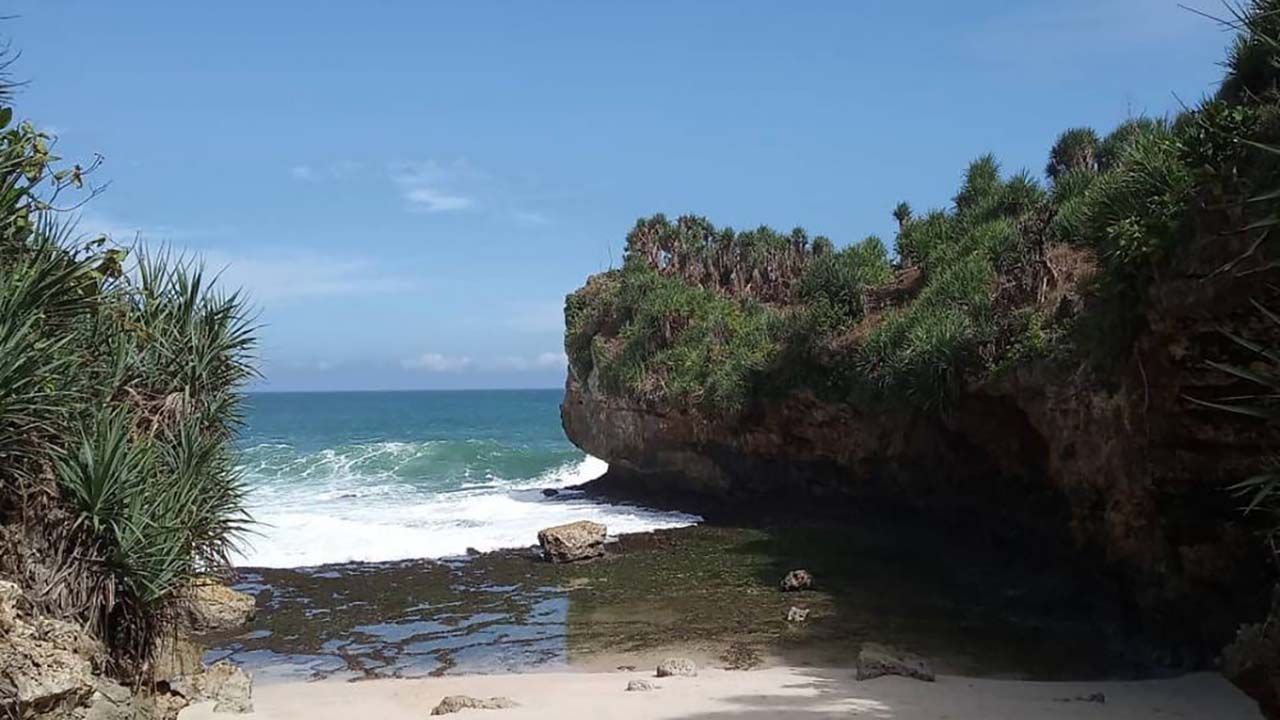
x=383, y=501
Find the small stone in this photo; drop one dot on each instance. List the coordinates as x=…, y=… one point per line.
x=677, y=667
x=797, y=615
x=797, y=580
x=640, y=686
x=550, y=492
x=875, y=660
x=458, y=703
x=580, y=540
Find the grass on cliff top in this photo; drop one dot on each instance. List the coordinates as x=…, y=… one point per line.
x=708, y=318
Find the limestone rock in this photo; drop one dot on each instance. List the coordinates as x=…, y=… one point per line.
x=213, y=607
x=112, y=701
x=677, y=667
x=45, y=664
x=875, y=660
x=580, y=540
x=1252, y=661
x=797, y=615
x=457, y=703
x=640, y=686
x=175, y=656
x=229, y=687
x=797, y=580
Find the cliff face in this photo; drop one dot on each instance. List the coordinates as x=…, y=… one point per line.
x=1116, y=469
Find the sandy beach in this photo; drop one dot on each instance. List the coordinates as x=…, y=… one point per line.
x=780, y=692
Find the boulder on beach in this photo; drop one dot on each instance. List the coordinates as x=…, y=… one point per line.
x=458, y=703
x=875, y=660
x=580, y=540
x=797, y=580
x=677, y=667
x=214, y=608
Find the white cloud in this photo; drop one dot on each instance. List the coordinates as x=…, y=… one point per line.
x=434, y=187
x=541, y=361
x=267, y=276
x=278, y=276
x=525, y=217
x=125, y=231
x=538, y=317
x=430, y=200
x=437, y=362
x=332, y=171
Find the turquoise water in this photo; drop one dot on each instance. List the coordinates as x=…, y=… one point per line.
x=377, y=476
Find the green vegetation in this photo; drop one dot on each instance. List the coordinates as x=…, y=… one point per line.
x=120, y=374
x=1015, y=268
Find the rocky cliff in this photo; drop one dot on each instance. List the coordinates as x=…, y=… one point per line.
x=1112, y=467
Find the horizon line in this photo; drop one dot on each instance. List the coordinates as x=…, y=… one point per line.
x=406, y=390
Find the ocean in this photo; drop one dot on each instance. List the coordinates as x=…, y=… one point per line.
x=384, y=476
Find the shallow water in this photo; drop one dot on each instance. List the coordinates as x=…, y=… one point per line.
x=708, y=592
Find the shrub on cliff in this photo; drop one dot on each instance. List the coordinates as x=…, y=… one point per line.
x=974, y=284
x=684, y=344
x=119, y=393
x=835, y=284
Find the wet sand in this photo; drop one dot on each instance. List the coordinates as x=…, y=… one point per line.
x=782, y=692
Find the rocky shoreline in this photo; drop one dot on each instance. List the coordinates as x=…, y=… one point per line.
x=713, y=593
x=50, y=668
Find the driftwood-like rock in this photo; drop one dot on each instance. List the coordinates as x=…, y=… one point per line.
x=457, y=703
x=875, y=660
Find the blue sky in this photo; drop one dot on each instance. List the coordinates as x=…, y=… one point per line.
x=408, y=189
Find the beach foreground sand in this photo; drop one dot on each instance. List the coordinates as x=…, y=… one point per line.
x=780, y=692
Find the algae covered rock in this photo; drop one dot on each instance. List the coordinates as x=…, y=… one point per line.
x=575, y=541
x=797, y=580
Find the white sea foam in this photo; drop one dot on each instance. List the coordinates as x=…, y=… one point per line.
x=332, y=519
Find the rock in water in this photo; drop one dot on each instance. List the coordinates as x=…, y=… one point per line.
x=640, y=686
x=875, y=660
x=213, y=607
x=797, y=580
x=550, y=492
x=677, y=667
x=797, y=615
x=456, y=703
x=580, y=540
